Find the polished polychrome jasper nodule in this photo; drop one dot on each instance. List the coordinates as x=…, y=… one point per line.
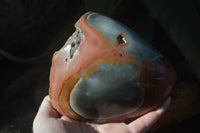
x=105, y=72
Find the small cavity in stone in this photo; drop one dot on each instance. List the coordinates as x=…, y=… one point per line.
x=121, y=39
x=121, y=55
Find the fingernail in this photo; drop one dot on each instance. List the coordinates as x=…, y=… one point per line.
x=164, y=105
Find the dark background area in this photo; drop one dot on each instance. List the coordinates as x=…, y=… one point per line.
x=32, y=30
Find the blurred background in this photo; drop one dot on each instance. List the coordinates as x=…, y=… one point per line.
x=32, y=30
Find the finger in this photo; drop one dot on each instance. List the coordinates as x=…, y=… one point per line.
x=46, y=109
x=67, y=119
x=111, y=128
x=146, y=121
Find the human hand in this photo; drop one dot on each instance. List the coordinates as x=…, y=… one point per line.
x=48, y=120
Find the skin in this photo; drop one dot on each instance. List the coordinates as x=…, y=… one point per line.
x=49, y=120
